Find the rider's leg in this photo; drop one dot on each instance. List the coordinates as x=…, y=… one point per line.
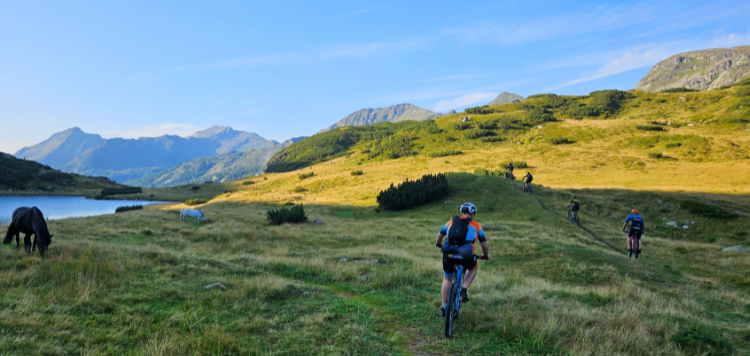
x=446, y=288
x=630, y=243
x=469, y=277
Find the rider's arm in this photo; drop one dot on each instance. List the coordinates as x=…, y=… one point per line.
x=624, y=226
x=439, y=240
x=485, y=248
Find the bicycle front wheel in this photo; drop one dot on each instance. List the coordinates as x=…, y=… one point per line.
x=450, y=310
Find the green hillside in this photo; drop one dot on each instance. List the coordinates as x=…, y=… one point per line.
x=367, y=282
x=20, y=177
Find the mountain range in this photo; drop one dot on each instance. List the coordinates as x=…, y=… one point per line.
x=122, y=160
x=505, y=98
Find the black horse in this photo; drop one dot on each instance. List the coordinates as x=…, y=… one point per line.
x=29, y=221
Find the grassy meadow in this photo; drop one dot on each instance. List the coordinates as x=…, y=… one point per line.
x=366, y=281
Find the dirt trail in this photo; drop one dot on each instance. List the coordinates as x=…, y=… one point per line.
x=597, y=238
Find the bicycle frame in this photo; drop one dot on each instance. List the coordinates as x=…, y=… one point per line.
x=458, y=280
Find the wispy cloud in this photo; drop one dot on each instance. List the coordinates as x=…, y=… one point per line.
x=462, y=101
x=628, y=61
x=157, y=130
x=365, y=10
x=564, y=25
x=361, y=50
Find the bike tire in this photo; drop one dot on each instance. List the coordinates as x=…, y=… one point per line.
x=450, y=313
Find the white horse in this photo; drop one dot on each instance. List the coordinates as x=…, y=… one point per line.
x=190, y=213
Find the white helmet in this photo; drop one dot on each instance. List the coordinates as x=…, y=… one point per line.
x=472, y=209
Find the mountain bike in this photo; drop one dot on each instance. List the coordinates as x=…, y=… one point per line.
x=527, y=187
x=573, y=217
x=454, y=299
x=636, y=241
x=510, y=175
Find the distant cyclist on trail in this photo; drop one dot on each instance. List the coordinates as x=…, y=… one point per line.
x=574, y=206
x=635, y=232
x=510, y=170
x=527, y=179
x=458, y=249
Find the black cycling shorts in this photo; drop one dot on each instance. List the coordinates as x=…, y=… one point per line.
x=450, y=261
x=635, y=233
x=575, y=209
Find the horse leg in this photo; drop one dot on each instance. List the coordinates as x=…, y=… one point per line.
x=27, y=243
x=33, y=246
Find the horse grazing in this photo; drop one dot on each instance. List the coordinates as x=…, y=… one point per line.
x=29, y=221
x=190, y=213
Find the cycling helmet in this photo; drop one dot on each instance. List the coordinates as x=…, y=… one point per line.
x=635, y=211
x=575, y=197
x=471, y=207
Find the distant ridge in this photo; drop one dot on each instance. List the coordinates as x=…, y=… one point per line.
x=122, y=159
x=702, y=70
x=392, y=113
x=504, y=98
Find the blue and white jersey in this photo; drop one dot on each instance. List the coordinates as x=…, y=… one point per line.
x=636, y=221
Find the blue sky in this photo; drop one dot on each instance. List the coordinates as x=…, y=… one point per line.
x=285, y=69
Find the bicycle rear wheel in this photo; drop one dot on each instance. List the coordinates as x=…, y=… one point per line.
x=450, y=310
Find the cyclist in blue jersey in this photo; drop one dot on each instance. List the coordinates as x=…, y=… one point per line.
x=458, y=249
x=635, y=232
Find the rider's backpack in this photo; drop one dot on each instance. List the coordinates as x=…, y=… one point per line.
x=458, y=232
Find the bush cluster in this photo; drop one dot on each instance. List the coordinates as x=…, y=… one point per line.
x=445, y=153
x=248, y=182
x=306, y=175
x=122, y=209
x=461, y=126
x=123, y=190
x=559, y=140
x=492, y=139
x=299, y=190
x=707, y=211
x=482, y=110
x=655, y=155
x=679, y=90
x=673, y=145
x=192, y=202
x=414, y=193
x=478, y=133
x=650, y=127
x=487, y=125
x=195, y=187
x=357, y=172
x=55, y=176
x=516, y=164
x=489, y=172
x=292, y=215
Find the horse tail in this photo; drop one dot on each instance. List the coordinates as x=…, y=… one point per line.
x=9, y=235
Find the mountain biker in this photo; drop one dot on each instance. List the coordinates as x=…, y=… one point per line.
x=465, y=231
x=510, y=169
x=574, y=206
x=527, y=178
x=635, y=232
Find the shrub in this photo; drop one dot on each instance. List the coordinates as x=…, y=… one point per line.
x=449, y=138
x=299, y=190
x=248, y=182
x=122, y=209
x=736, y=120
x=195, y=187
x=492, y=139
x=306, y=175
x=678, y=90
x=192, y=202
x=707, y=211
x=461, y=126
x=124, y=190
x=293, y=215
x=649, y=128
x=655, y=155
x=658, y=123
x=472, y=134
x=489, y=172
x=673, y=145
x=413, y=193
x=559, y=140
x=481, y=110
x=445, y=153
x=516, y=164
x=357, y=172
x=488, y=125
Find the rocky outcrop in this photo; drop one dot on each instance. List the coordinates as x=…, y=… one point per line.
x=505, y=98
x=702, y=70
